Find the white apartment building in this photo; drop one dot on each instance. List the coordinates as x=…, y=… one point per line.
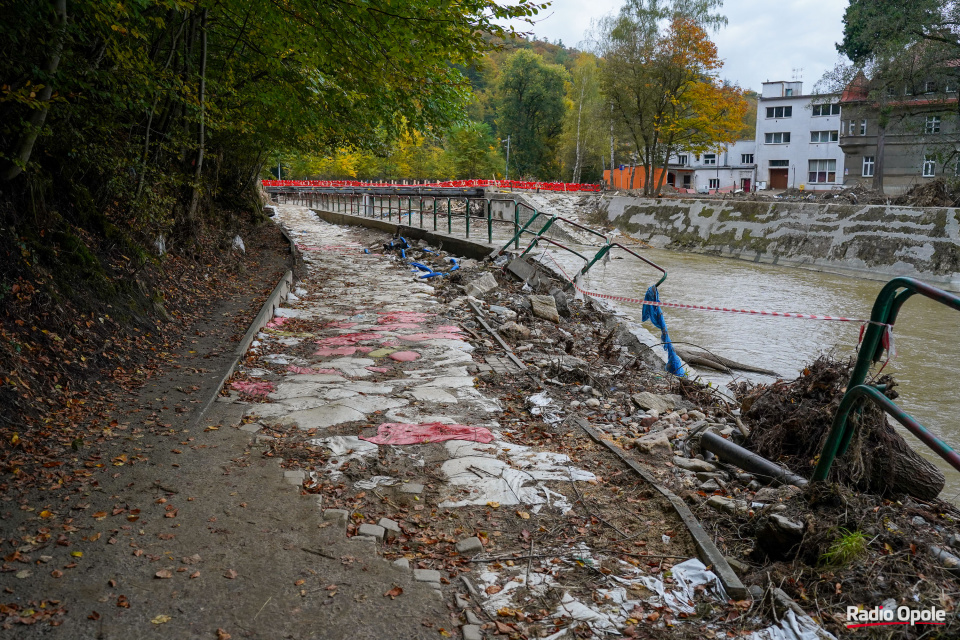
x=728, y=168
x=798, y=138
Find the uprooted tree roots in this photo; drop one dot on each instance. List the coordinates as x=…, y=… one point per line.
x=790, y=421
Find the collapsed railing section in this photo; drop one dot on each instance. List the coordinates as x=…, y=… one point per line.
x=885, y=310
x=381, y=205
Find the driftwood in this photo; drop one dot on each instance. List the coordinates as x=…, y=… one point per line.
x=719, y=363
x=789, y=422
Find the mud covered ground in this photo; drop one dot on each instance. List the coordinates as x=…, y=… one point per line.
x=850, y=549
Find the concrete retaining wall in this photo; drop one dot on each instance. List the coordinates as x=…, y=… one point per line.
x=875, y=242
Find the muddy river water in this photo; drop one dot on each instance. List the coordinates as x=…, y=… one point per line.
x=927, y=366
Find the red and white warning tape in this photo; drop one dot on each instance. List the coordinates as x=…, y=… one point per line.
x=677, y=305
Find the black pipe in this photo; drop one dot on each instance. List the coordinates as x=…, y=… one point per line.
x=747, y=460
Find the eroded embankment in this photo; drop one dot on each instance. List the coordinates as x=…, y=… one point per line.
x=867, y=241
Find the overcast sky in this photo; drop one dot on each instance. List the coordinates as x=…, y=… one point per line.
x=764, y=40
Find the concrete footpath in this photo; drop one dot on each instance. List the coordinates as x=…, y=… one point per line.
x=365, y=386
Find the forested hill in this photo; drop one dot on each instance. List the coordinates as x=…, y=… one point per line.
x=132, y=137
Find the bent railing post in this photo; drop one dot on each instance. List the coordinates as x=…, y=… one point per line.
x=884, y=315
x=607, y=248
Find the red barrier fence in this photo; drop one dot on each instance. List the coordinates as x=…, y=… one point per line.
x=453, y=184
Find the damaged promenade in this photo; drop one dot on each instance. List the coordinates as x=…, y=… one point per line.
x=421, y=445
x=463, y=428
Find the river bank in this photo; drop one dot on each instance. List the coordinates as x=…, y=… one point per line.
x=875, y=242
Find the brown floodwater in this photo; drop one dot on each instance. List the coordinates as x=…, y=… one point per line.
x=927, y=366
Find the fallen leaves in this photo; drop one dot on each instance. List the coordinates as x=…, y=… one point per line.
x=492, y=589
x=230, y=574
x=163, y=574
x=393, y=593
x=122, y=602
x=161, y=619
x=223, y=635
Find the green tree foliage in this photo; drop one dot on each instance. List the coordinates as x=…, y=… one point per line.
x=158, y=106
x=586, y=123
x=530, y=108
x=473, y=152
x=897, y=50
x=660, y=78
x=871, y=26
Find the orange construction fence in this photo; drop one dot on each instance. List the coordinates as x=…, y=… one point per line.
x=622, y=177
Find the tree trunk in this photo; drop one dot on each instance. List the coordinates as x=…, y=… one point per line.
x=198, y=170
x=897, y=469
x=577, y=158
x=612, y=163
x=24, y=147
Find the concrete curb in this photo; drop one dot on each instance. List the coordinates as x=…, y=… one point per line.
x=451, y=244
x=708, y=551
x=266, y=314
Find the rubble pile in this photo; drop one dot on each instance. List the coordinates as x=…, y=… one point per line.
x=469, y=465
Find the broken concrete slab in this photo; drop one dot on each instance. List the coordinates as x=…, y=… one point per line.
x=323, y=417
x=647, y=400
x=426, y=575
x=563, y=303
x=481, y=286
x=524, y=271
x=469, y=545
x=545, y=307
x=656, y=441
x=433, y=395
x=693, y=464
x=514, y=330
x=372, y=530
x=390, y=527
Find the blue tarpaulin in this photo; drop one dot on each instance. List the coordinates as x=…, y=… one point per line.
x=655, y=315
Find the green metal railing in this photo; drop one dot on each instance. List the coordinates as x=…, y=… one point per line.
x=373, y=205
x=885, y=310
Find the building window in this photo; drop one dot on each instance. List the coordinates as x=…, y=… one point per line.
x=824, y=136
x=822, y=171
x=788, y=92
x=853, y=127
x=777, y=138
x=682, y=161
x=709, y=158
x=933, y=124
x=714, y=183
x=929, y=166
x=779, y=112
x=863, y=127
x=929, y=87
x=826, y=109
x=779, y=163
x=867, y=167
x=950, y=89
x=746, y=158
